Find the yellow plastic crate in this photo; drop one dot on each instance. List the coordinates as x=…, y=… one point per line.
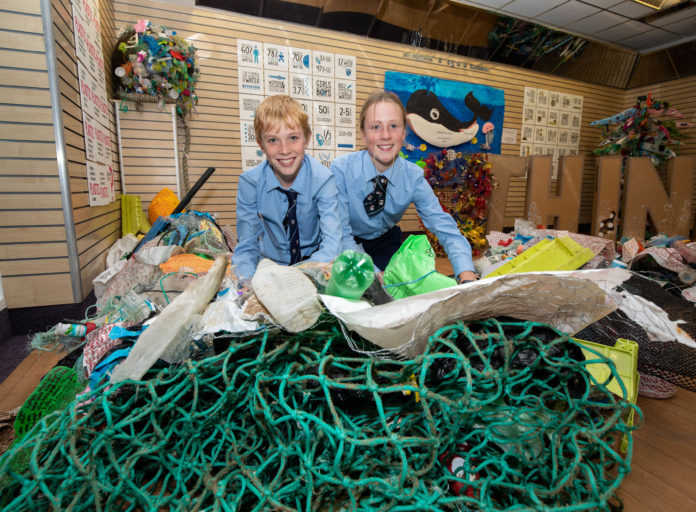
x=556, y=254
x=133, y=218
x=624, y=355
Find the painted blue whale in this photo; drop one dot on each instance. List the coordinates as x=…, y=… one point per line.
x=430, y=120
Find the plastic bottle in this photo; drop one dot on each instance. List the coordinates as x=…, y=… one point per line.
x=351, y=274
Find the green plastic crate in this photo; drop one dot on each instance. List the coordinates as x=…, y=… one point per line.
x=556, y=254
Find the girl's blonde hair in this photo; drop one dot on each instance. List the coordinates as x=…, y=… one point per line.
x=378, y=97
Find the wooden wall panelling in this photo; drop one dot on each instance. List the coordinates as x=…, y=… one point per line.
x=545, y=205
x=32, y=236
x=38, y=250
x=215, y=126
x=96, y=228
x=148, y=151
x=38, y=289
x=29, y=167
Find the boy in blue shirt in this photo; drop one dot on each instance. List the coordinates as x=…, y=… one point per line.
x=287, y=206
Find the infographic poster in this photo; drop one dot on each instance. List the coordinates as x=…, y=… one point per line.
x=322, y=82
x=446, y=114
x=551, y=122
x=93, y=101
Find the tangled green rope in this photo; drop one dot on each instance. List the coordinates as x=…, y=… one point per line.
x=300, y=422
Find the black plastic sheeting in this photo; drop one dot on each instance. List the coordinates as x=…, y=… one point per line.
x=667, y=359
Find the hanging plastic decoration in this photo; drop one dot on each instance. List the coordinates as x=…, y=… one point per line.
x=512, y=38
x=637, y=131
x=463, y=185
x=150, y=60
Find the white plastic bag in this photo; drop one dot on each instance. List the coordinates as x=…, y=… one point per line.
x=288, y=294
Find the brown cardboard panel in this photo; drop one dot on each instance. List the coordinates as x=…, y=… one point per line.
x=607, y=197
x=503, y=167
x=543, y=205
x=645, y=194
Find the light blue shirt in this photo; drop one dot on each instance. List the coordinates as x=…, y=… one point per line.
x=261, y=208
x=406, y=185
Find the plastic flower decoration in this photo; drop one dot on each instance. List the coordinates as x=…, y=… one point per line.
x=463, y=186
x=642, y=131
x=151, y=60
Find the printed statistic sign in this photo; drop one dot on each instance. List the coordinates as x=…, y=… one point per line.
x=323, y=83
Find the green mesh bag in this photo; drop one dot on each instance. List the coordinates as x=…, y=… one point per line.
x=55, y=392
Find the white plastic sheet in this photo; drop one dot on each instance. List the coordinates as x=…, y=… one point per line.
x=567, y=301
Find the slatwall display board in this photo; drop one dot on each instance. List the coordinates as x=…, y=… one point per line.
x=33, y=242
x=215, y=133
x=148, y=150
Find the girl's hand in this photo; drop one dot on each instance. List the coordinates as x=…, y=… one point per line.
x=466, y=276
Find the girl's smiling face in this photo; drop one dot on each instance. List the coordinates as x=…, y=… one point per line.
x=384, y=133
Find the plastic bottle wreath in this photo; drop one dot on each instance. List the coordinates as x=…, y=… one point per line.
x=153, y=61
x=463, y=186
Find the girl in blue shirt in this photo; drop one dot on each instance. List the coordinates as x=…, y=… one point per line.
x=376, y=186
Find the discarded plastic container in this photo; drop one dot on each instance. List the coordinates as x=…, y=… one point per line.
x=351, y=274
x=557, y=254
x=624, y=355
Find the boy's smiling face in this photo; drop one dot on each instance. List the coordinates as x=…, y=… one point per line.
x=284, y=147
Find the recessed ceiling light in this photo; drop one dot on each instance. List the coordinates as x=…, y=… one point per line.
x=658, y=4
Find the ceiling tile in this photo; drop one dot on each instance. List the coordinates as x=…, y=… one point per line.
x=619, y=32
x=567, y=13
x=676, y=16
x=596, y=22
x=652, y=38
x=685, y=27
x=530, y=8
x=632, y=9
x=602, y=3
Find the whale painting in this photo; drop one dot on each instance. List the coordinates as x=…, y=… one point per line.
x=445, y=114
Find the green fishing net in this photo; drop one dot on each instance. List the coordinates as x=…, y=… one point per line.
x=300, y=422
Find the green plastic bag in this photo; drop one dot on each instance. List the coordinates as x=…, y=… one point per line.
x=411, y=271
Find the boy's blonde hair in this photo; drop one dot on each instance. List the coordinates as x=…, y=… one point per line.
x=277, y=110
x=378, y=97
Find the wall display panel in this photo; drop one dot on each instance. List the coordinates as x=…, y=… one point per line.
x=31, y=227
x=551, y=124
x=95, y=107
x=322, y=82
x=463, y=117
